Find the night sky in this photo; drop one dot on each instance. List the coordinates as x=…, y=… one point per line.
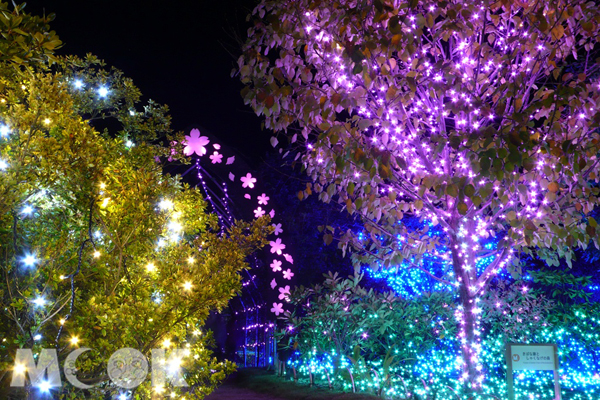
x=178, y=53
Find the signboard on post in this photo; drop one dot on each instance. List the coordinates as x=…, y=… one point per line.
x=531, y=357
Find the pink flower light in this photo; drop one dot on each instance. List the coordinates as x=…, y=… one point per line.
x=277, y=246
x=284, y=292
x=195, y=143
x=259, y=212
x=276, y=265
x=263, y=199
x=277, y=308
x=216, y=158
x=248, y=181
x=288, y=274
x=277, y=228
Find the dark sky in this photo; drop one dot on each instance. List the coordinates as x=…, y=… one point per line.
x=177, y=52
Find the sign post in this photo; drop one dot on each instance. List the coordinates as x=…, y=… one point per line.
x=531, y=357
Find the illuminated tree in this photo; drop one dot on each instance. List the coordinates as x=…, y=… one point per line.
x=481, y=117
x=99, y=248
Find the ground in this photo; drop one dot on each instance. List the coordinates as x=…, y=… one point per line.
x=258, y=384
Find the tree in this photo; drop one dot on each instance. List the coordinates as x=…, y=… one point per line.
x=99, y=248
x=481, y=117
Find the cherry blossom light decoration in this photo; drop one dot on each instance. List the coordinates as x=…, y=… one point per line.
x=196, y=144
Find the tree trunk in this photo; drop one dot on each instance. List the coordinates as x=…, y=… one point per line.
x=470, y=341
x=467, y=316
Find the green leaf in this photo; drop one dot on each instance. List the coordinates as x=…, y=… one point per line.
x=324, y=126
x=543, y=24
x=419, y=204
x=469, y=190
x=592, y=222
x=357, y=69
x=485, y=164
x=394, y=25
x=452, y=190
x=350, y=188
x=590, y=230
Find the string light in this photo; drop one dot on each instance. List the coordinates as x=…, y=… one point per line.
x=30, y=260
x=102, y=92
x=39, y=301
x=20, y=369
x=4, y=130
x=27, y=210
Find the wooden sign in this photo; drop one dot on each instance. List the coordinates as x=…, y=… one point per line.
x=531, y=357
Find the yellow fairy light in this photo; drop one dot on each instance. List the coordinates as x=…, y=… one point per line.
x=187, y=286
x=62, y=277
x=20, y=369
x=175, y=226
x=150, y=267
x=166, y=343
x=102, y=185
x=191, y=260
x=96, y=254
x=150, y=319
x=105, y=202
x=62, y=321
x=74, y=340
x=47, y=121
x=174, y=364
x=196, y=332
x=165, y=204
x=159, y=389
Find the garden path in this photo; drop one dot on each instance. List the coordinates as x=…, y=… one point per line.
x=228, y=391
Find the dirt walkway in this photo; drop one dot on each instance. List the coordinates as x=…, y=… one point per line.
x=230, y=392
x=259, y=384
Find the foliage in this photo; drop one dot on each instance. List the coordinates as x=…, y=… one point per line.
x=26, y=39
x=100, y=249
x=480, y=117
x=339, y=327
x=514, y=312
x=416, y=353
x=563, y=286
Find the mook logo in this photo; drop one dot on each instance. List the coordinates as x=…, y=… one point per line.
x=127, y=368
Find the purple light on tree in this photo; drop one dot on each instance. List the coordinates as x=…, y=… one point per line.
x=480, y=117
